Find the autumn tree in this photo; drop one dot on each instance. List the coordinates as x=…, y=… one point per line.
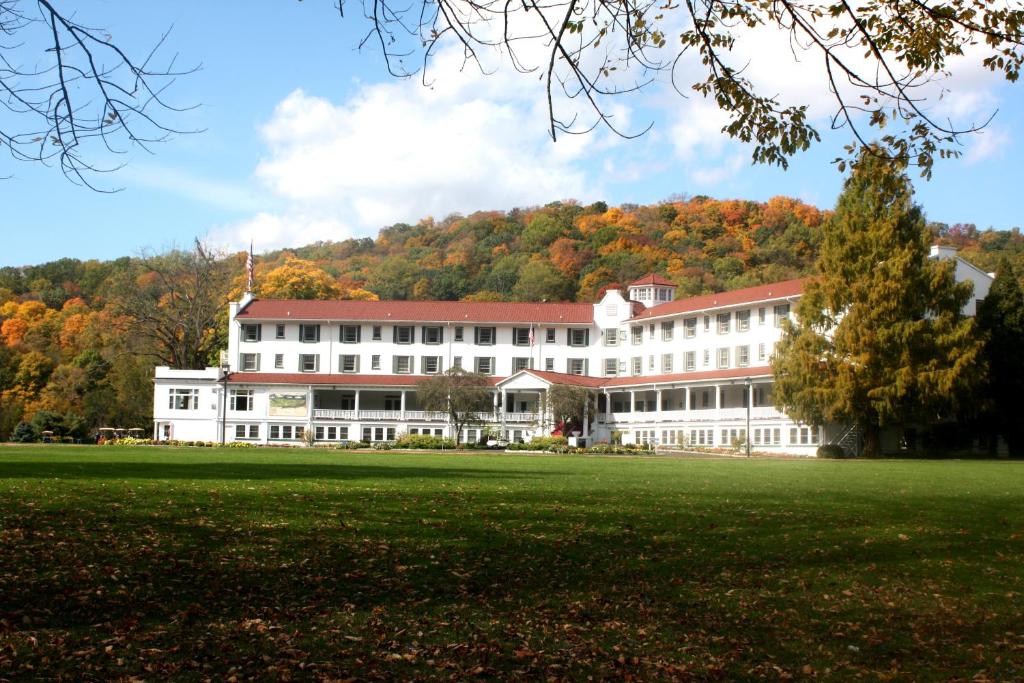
x=297, y=279
x=880, y=339
x=462, y=395
x=568, y=403
x=172, y=301
x=1001, y=320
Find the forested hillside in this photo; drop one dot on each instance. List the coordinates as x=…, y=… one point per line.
x=78, y=339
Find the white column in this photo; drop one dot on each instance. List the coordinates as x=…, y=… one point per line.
x=309, y=402
x=686, y=406
x=586, y=420
x=718, y=397
x=607, y=406
x=402, y=407
x=657, y=393
x=357, y=403
x=504, y=409
x=632, y=401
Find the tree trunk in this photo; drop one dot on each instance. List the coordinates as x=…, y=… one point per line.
x=872, y=440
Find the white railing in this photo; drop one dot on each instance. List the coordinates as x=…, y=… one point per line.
x=518, y=417
x=425, y=415
x=330, y=414
x=700, y=414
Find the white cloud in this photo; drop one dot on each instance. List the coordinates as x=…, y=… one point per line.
x=267, y=231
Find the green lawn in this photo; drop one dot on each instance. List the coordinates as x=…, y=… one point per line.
x=200, y=563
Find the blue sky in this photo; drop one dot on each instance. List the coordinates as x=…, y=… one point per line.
x=307, y=138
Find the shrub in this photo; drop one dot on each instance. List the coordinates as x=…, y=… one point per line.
x=383, y=445
x=24, y=433
x=424, y=441
x=351, y=445
x=241, y=444
x=831, y=450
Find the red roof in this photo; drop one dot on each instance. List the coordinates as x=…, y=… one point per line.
x=419, y=311
x=653, y=279
x=564, y=378
x=775, y=290
x=606, y=382
x=730, y=373
x=319, y=378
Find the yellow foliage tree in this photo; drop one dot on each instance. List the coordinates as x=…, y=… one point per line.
x=298, y=279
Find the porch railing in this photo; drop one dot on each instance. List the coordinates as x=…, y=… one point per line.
x=414, y=415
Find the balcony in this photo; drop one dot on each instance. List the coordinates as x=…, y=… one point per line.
x=414, y=416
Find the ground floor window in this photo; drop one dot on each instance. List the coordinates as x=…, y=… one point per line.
x=803, y=436
x=379, y=433
x=767, y=437
x=247, y=431
x=733, y=437
x=331, y=433
x=702, y=437
x=286, y=432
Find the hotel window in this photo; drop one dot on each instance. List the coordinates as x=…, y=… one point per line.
x=666, y=362
x=690, y=328
x=279, y=361
x=309, y=362
x=375, y=362
x=350, y=334
x=348, y=363
x=184, y=399
x=549, y=364
x=430, y=365
x=520, y=336
x=742, y=321
x=520, y=364
x=742, y=356
x=690, y=361
x=433, y=335
x=279, y=332
x=404, y=334
x=723, y=358
x=250, y=362
x=457, y=362
x=781, y=313
x=637, y=332
x=723, y=323
x=761, y=315
x=666, y=331
x=309, y=333
x=376, y=334
x=241, y=399
x=611, y=337
x=484, y=336
x=707, y=357
x=578, y=336
x=760, y=351
x=459, y=333
x=638, y=365
x=402, y=365
x=251, y=332
x=484, y=365
x=576, y=366
x=549, y=335
x=611, y=367
x=247, y=431
x=286, y=432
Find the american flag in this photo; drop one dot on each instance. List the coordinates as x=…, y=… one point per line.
x=533, y=338
x=250, y=265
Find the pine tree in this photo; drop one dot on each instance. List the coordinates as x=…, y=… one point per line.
x=1001, y=320
x=880, y=339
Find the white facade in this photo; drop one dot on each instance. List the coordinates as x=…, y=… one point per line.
x=671, y=373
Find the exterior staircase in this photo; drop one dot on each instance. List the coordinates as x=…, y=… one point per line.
x=850, y=440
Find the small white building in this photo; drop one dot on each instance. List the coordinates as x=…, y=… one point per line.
x=668, y=372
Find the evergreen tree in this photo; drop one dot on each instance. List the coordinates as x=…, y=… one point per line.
x=1001, y=319
x=880, y=338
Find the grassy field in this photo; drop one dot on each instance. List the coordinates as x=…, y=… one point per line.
x=200, y=563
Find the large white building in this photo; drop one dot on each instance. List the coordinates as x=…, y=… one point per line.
x=667, y=372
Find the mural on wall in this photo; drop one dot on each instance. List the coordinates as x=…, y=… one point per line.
x=288, y=405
